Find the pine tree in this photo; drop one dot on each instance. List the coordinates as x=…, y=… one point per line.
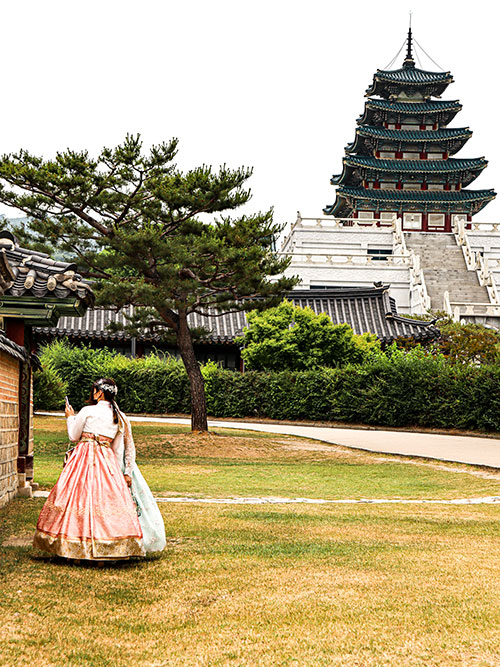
x=138, y=227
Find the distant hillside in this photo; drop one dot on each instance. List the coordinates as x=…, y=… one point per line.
x=14, y=221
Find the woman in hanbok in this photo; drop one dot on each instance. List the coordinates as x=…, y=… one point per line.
x=89, y=513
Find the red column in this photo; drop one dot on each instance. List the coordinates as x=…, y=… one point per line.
x=425, y=221
x=14, y=329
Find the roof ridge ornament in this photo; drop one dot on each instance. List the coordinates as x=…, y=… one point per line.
x=408, y=61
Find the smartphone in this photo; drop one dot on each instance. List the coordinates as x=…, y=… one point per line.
x=67, y=401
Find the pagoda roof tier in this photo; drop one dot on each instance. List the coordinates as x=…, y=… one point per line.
x=469, y=168
x=368, y=138
x=387, y=83
x=470, y=201
x=384, y=108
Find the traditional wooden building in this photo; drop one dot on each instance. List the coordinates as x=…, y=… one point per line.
x=366, y=310
x=35, y=290
x=402, y=162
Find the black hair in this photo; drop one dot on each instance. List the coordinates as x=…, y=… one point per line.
x=109, y=389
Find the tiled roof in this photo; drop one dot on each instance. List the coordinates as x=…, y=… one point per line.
x=93, y=324
x=449, y=166
x=442, y=196
x=13, y=349
x=413, y=76
x=415, y=108
x=31, y=273
x=364, y=309
x=416, y=136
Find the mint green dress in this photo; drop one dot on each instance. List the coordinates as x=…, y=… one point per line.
x=148, y=513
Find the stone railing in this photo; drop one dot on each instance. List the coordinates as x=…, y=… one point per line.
x=492, y=227
x=476, y=262
x=417, y=280
x=331, y=223
x=344, y=259
x=458, y=309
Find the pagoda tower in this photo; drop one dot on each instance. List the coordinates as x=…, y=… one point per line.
x=402, y=158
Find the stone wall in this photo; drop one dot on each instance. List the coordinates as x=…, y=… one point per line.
x=9, y=426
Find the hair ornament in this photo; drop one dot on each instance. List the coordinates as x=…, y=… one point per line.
x=110, y=388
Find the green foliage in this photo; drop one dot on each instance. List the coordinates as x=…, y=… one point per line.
x=294, y=338
x=468, y=343
x=151, y=236
x=398, y=388
x=460, y=343
x=48, y=389
x=131, y=220
x=151, y=384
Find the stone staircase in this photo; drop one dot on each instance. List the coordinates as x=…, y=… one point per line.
x=444, y=269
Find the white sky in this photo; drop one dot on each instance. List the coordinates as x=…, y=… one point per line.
x=274, y=84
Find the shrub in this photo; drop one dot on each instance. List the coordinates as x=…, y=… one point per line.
x=289, y=337
x=48, y=390
x=397, y=388
x=150, y=384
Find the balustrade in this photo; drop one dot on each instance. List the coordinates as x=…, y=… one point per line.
x=476, y=262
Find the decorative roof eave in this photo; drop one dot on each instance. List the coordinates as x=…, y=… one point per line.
x=466, y=171
x=40, y=312
x=413, y=196
x=414, y=136
x=413, y=76
x=445, y=111
x=35, y=274
x=368, y=140
x=341, y=208
x=452, y=165
x=386, y=83
x=465, y=201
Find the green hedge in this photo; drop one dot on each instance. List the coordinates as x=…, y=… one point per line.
x=394, y=389
x=151, y=384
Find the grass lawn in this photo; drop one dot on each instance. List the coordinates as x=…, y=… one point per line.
x=294, y=585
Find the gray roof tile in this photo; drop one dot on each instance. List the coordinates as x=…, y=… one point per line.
x=366, y=310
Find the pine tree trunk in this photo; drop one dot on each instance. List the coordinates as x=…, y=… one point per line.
x=196, y=383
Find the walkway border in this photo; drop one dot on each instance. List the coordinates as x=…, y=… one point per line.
x=471, y=450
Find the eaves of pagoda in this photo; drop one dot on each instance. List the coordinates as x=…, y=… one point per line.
x=379, y=111
x=370, y=138
x=413, y=81
x=464, y=171
x=463, y=201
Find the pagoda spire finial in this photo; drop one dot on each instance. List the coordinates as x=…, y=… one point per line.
x=408, y=61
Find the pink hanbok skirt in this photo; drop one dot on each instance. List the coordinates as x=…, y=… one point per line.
x=89, y=513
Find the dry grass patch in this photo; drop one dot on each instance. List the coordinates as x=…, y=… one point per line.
x=239, y=587
x=222, y=446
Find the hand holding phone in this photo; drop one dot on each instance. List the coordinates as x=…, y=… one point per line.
x=69, y=410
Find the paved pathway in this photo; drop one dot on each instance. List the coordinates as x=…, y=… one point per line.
x=276, y=500
x=457, y=448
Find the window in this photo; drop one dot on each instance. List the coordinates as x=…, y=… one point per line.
x=436, y=220
x=412, y=221
x=387, y=216
x=379, y=254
